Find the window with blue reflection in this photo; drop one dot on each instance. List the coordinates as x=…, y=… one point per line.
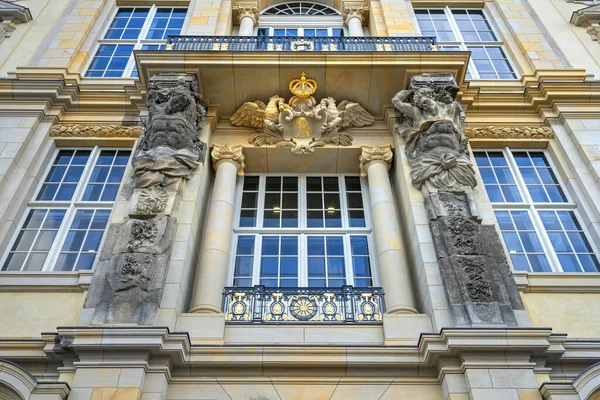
x=279, y=261
x=569, y=241
x=497, y=177
x=522, y=241
x=537, y=173
x=326, y=265
x=244, y=259
x=361, y=264
x=106, y=176
x=64, y=175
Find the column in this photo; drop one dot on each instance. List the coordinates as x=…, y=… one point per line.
x=353, y=17
x=247, y=18
x=228, y=161
x=375, y=162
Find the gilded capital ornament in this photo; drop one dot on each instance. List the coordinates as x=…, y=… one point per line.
x=372, y=154
x=222, y=152
x=353, y=10
x=247, y=9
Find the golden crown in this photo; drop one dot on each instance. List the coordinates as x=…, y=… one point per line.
x=302, y=87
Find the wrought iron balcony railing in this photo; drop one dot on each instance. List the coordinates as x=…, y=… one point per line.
x=347, y=304
x=296, y=43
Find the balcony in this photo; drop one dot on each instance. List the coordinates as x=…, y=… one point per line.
x=261, y=304
x=296, y=43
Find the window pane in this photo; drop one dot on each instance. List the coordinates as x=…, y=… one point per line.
x=497, y=177
x=541, y=181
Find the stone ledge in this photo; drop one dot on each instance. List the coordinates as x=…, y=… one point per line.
x=45, y=281
x=557, y=282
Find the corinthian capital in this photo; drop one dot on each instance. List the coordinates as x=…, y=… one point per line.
x=372, y=154
x=353, y=9
x=247, y=9
x=224, y=152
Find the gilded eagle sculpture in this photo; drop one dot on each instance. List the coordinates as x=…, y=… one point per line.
x=301, y=124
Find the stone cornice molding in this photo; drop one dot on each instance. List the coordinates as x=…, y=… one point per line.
x=557, y=282
x=371, y=154
x=95, y=131
x=233, y=153
x=509, y=132
x=41, y=281
x=353, y=9
x=247, y=9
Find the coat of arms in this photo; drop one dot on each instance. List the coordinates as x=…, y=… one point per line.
x=301, y=124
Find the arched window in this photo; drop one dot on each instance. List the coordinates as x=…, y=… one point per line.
x=300, y=18
x=300, y=8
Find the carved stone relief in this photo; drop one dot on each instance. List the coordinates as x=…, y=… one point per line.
x=301, y=124
x=430, y=121
x=473, y=266
x=513, y=132
x=100, y=131
x=170, y=147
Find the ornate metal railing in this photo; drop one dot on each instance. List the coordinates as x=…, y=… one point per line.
x=296, y=43
x=347, y=304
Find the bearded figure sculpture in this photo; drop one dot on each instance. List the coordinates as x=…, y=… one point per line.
x=430, y=122
x=170, y=147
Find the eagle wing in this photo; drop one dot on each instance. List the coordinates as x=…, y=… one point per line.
x=354, y=115
x=250, y=114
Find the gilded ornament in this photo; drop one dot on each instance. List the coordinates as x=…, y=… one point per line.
x=301, y=124
x=234, y=153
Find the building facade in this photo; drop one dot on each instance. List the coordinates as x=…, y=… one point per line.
x=383, y=199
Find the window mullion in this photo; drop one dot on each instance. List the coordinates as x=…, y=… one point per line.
x=348, y=260
x=59, y=239
x=257, y=259
x=261, y=201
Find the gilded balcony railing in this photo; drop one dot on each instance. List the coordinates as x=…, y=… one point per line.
x=296, y=43
x=260, y=304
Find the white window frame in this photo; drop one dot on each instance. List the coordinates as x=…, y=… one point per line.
x=463, y=45
x=137, y=43
x=532, y=207
x=330, y=28
x=302, y=232
x=71, y=208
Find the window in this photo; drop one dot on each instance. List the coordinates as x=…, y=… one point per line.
x=468, y=30
x=303, y=32
x=539, y=225
x=302, y=231
x=67, y=217
x=300, y=8
x=133, y=28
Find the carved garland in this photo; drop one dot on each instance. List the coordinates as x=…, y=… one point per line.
x=517, y=132
x=100, y=131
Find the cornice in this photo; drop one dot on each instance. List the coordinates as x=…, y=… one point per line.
x=96, y=131
x=557, y=282
x=37, y=281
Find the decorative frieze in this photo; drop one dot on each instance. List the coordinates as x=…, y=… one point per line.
x=233, y=153
x=509, y=132
x=371, y=154
x=98, y=131
x=301, y=124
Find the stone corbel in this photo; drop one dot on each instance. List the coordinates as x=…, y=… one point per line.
x=224, y=152
x=246, y=9
x=354, y=9
x=373, y=154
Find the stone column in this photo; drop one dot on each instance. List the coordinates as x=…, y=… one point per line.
x=375, y=161
x=247, y=18
x=353, y=17
x=228, y=162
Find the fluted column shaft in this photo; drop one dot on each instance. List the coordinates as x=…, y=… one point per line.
x=375, y=161
x=212, y=275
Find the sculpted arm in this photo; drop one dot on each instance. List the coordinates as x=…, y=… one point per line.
x=400, y=103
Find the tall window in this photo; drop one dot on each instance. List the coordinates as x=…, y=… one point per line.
x=540, y=226
x=468, y=30
x=133, y=28
x=66, y=219
x=299, y=231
